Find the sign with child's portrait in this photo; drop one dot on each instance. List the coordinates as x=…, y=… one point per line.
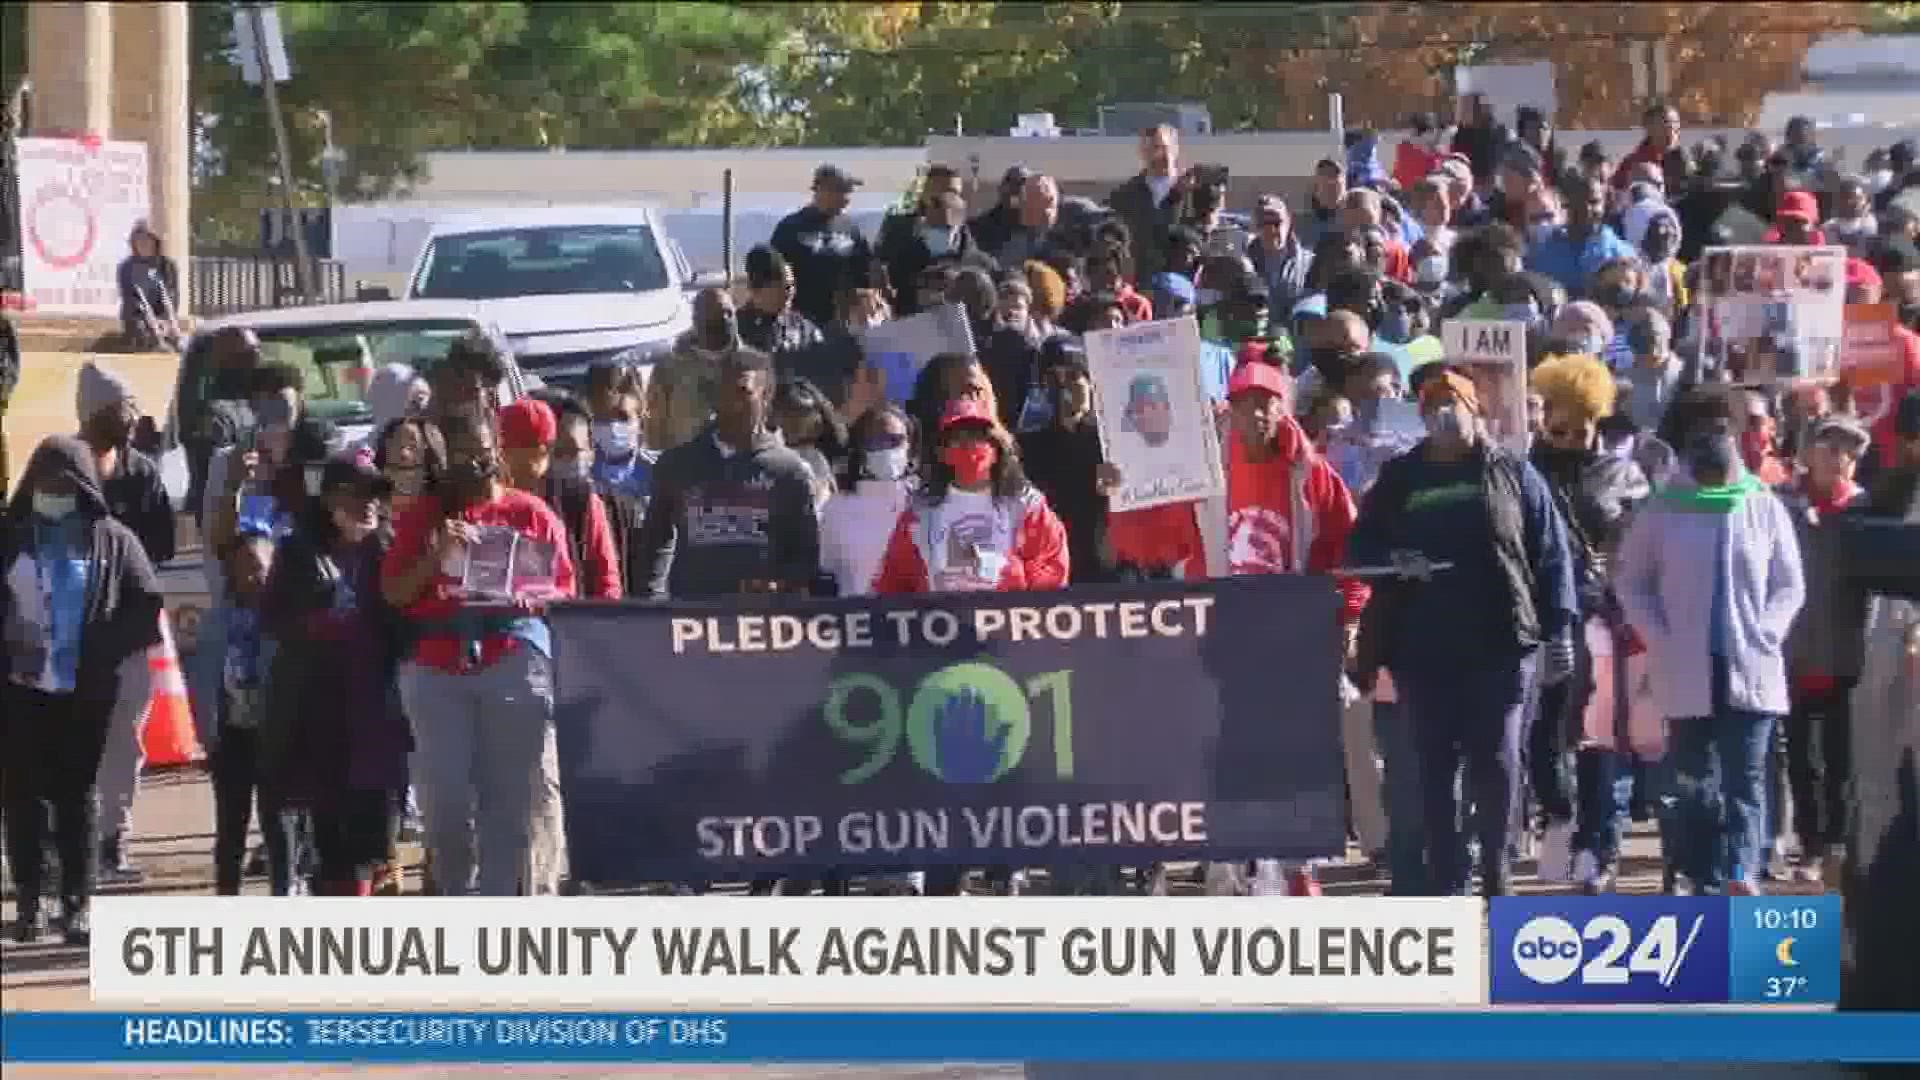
x=1156, y=424
x=1773, y=313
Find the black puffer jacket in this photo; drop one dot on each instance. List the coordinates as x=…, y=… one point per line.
x=122, y=614
x=1596, y=494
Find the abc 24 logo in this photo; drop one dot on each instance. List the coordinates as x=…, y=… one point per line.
x=1604, y=950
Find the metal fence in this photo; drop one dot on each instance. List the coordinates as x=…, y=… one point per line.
x=230, y=284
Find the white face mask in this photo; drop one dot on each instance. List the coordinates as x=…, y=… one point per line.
x=938, y=238
x=615, y=438
x=888, y=464
x=312, y=477
x=1206, y=297
x=1447, y=421
x=55, y=507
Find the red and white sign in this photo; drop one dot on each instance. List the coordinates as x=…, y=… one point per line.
x=79, y=201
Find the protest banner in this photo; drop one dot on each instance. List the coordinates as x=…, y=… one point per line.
x=898, y=349
x=1091, y=725
x=1773, y=313
x=79, y=201
x=1156, y=424
x=1494, y=354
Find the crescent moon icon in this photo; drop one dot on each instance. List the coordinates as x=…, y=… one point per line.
x=1783, y=952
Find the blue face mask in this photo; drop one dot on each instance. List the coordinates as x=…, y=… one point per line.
x=1397, y=326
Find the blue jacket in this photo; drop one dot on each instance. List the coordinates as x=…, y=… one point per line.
x=1572, y=263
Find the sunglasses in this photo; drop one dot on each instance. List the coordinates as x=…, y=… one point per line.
x=1563, y=434
x=883, y=442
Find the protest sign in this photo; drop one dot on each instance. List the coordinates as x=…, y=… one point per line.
x=1871, y=362
x=1494, y=354
x=79, y=201
x=898, y=349
x=1156, y=424
x=1773, y=313
x=1091, y=725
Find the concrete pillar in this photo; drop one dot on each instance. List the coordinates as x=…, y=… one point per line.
x=70, y=60
x=170, y=144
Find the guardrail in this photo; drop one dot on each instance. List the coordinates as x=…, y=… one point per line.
x=230, y=284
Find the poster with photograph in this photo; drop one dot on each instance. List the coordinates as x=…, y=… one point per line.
x=1494, y=353
x=1773, y=313
x=1871, y=361
x=501, y=564
x=1156, y=424
x=900, y=348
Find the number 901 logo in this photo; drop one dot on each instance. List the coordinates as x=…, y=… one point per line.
x=965, y=724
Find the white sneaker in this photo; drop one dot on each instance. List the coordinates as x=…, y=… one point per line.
x=1225, y=879
x=1556, y=851
x=1586, y=868
x=1269, y=878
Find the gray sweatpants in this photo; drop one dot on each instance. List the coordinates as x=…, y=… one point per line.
x=123, y=755
x=547, y=864
x=479, y=738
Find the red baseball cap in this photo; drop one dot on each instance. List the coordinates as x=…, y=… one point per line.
x=1258, y=375
x=1861, y=272
x=1798, y=204
x=527, y=424
x=966, y=411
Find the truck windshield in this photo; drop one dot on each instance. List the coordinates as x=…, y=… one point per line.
x=553, y=260
x=337, y=361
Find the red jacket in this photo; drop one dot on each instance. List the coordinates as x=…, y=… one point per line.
x=1885, y=400
x=599, y=568
x=1290, y=514
x=1137, y=307
x=1157, y=537
x=1642, y=153
x=1035, y=550
x=1411, y=163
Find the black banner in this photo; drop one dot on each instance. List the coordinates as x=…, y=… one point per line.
x=1093, y=725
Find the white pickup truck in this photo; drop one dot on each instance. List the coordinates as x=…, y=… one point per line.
x=567, y=285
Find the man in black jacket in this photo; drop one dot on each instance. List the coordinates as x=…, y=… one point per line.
x=826, y=249
x=939, y=231
x=1152, y=201
x=769, y=320
x=137, y=499
x=732, y=510
x=992, y=229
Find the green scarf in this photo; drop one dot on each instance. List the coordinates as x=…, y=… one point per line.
x=1719, y=499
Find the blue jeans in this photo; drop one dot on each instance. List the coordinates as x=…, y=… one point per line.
x=1476, y=718
x=1604, y=784
x=1720, y=766
x=1400, y=787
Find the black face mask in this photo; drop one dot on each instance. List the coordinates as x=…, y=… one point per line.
x=469, y=477
x=717, y=330
x=1560, y=462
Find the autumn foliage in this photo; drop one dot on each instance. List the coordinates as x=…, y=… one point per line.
x=1723, y=59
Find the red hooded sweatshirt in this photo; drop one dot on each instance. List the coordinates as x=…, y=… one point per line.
x=1290, y=514
x=970, y=542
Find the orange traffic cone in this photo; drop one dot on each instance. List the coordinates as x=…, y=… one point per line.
x=169, y=739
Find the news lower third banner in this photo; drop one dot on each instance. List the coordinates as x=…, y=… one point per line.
x=1088, y=726
x=389, y=1038
x=741, y=952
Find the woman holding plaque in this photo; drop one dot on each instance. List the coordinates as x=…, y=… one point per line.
x=976, y=525
x=478, y=683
